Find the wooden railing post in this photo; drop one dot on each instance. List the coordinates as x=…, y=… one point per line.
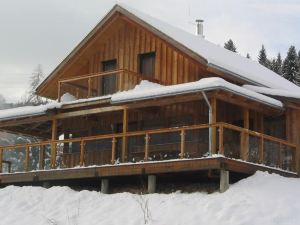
x=279, y=155
x=147, y=139
x=182, y=143
x=26, y=165
x=124, y=137
x=42, y=157
x=59, y=91
x=53, y=144
x=82, y=153
x=221, y=140
x=244, y=143
x=1, y=159
x=77, y=93
x=89, y=87
x=113, y=150
x=261, y=150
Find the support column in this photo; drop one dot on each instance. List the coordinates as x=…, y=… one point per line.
x=124, y=138
x=151, y=184
x=245, y=136
x=46, y=184
x=53, y=145
x=213, y=129
x=104, y=186
x=224, y=180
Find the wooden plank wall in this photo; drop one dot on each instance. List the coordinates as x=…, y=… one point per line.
x=292, y=131
x=126, y=43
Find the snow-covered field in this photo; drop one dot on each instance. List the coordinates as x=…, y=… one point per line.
x=261, y=199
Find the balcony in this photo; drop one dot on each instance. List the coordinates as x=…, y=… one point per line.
x=100, y=84
x=159, y=145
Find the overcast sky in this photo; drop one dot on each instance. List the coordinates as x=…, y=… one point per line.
x=45, y=31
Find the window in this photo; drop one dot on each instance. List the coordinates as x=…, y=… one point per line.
x=147, y=64
x=108, y=82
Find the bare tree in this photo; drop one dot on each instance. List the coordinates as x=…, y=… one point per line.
x=36, y=78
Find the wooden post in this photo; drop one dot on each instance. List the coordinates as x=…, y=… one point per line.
x=89, y=87
x=221, y=140
x=26, y=164
x=59, y=91
x=53, y=143
x=213, y=129
x=245, y=136
x=81, y=153
x=42, y=157
x=261, y=150
x=124, y=138
x=113, y=150
x=182, y=143
x=1, y=159
x=279, y=155
x=147, y=139
x=77, y=93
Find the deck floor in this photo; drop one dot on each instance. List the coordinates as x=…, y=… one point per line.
x=161, y=167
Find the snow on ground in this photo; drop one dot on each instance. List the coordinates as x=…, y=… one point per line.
x=260, y=199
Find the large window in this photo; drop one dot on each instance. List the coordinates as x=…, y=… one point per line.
x=147, y=64
x=108, y=82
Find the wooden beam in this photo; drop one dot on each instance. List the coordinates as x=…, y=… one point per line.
x=27, y=120
x=53, y=144
x=213, y=103
x=42, y=157
x=88, y=112
x=124, y=138
x=245, y=136
x=27, y=158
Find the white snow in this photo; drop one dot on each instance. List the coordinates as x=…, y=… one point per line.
x=67, y=97
x=261, y=199
x=217, y=56
x=25, y=111
x=274, y=92
x=148, y=90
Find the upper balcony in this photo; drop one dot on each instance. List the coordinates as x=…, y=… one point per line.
x=100, y=84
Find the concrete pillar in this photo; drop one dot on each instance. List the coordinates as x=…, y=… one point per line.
x=104, y=186
x=151, y=184
x=46, y=184
x=224, y=180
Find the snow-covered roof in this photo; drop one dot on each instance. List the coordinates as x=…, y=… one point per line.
x=147, y=90
x=26, y=111
x=273, y=91
x=217, y=56
x=143, y=91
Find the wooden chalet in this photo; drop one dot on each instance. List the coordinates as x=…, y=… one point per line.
x=139, y=97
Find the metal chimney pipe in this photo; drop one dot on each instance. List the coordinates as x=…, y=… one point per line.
x=200, y=27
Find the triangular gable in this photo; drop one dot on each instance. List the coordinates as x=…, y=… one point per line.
x=205, y=52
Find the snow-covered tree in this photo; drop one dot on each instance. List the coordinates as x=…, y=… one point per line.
x=230, y=45
x=36, y=78
x=276, y=65
x=290, y=69
x=248, y=56
x=262, y=57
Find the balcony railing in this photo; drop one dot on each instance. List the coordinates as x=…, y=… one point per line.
x=100, y=84
x=152, y=145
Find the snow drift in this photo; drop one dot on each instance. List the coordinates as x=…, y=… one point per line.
x=260, y=199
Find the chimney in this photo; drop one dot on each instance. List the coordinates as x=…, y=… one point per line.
x=200, y=27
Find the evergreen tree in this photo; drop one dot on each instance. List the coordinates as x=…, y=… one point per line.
x=290, y=69
x=262, y=57
x=276, y=65
x=248, y=56
x=230, y=45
